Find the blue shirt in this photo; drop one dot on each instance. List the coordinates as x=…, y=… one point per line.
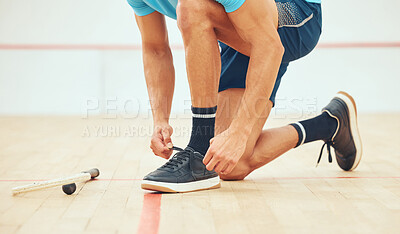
x=168, y=7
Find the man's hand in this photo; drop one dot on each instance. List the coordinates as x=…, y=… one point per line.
x=225, y=151
x=161, y=143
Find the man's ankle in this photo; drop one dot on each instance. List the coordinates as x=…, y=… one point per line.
x=203, y=124
x=321, y=127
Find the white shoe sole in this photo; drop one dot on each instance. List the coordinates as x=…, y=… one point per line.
x=181, y=187
x=351, y=106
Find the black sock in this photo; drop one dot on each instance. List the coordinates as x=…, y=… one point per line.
x=321, y=127
x=203, y=124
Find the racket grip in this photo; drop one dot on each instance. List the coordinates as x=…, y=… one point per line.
x=94, y=172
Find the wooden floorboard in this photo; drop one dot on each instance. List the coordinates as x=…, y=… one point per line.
x=289, y=195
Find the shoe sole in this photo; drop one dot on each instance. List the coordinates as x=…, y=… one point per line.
x=352, y=108
x=211, y=183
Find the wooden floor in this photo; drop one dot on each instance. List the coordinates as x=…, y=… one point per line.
x=289, y=195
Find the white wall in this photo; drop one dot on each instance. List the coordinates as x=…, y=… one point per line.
x=64, y=81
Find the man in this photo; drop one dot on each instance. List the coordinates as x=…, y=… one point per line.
x=258, y=39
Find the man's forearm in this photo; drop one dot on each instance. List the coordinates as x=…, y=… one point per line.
x=263, y=69
x=160, y=80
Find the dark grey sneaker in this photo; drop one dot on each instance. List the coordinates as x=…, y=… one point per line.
x=184, y=172
x=346, y=141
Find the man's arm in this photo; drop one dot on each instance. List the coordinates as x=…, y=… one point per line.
x=160, y=78
x=256, y=22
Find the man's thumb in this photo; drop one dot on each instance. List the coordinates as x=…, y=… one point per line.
x=167, y=138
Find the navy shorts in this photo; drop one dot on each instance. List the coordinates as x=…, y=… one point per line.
x=300, y=26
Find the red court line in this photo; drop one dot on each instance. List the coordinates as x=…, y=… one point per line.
x=330, y=177
x=264, y=178
x=150, y=216
x=31, y=180
x=341, y=45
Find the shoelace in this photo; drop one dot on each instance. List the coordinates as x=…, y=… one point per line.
x=328, y=145
x=178, y=158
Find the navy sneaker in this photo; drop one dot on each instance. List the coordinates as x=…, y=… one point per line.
x=346, y=140
x=184, y=172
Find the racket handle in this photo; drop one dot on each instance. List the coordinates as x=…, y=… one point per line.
x=94, y=172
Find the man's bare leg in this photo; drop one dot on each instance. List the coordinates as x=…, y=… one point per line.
x=203, y=63
x=203, y=66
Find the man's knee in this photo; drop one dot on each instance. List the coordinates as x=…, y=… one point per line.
x=192, y=16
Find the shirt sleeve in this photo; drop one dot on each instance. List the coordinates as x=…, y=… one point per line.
x=140, y=7
x=231, y=5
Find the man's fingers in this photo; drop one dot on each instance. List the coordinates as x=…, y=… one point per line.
x=211, y=165
x=158, y=147
x=157, y=144
x=208, y=156
x=163, y=154
x=223, y=169
x=219, y=167
x=167, y=153
x=157, y=152
x=228, y=169
x=166, y=135
x=167, y=138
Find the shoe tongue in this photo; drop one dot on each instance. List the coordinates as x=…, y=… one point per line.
x=183, y=153
x=188, y=148
x=196, y=153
